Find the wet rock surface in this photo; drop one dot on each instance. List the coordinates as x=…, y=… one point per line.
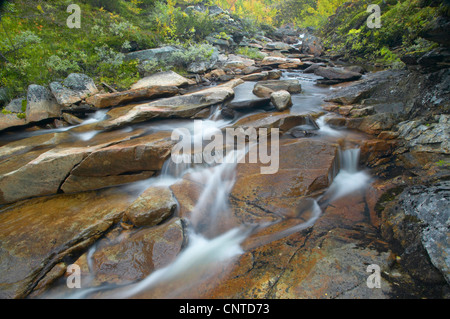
x=30, y=246
x=98, y=194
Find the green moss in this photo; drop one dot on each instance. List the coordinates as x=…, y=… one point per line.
x=24, y=105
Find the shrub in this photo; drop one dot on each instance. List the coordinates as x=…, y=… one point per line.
x=190, y=54
x=251, y=53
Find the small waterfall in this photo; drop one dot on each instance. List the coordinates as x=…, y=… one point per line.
x=200, y=254
x=325, y=129
x=212, y=242
x=349, y=159
x=349, y=179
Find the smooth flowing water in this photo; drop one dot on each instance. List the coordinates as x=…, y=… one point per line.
x=210, y=241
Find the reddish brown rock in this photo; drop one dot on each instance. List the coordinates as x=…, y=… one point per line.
x=129, y=256
x=147, y=153
x=152, y=207
x=118, y=98
x=38, y=234
x=300, y=174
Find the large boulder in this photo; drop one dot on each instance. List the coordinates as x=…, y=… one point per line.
x=40, y=176
x=34, y=167
x=279, y=46
x=273, y=61
x=204, y=64
x=256, y=76
x=75, y=88
x=41, y=104
x=281, y=120
x=277, y=195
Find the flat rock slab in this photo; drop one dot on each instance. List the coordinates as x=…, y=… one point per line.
x=185, y=106
x=305, y=167
x=38, y=233
x=284, y=121
x=35, y=167
x=124, y=162
x=138, y=94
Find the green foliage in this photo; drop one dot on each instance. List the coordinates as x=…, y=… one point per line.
x=347, y=32
x=442, y=163
x=251, y=53
x=173, y=24
x=37, y=47
x=190, y=54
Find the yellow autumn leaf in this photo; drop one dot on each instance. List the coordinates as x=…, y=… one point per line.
x=40, y=8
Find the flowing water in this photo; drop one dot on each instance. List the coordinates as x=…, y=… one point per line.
x=211, y=243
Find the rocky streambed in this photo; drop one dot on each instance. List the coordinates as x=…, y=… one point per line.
x=362, y=180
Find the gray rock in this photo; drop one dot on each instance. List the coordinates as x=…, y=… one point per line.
x=313, y=67
x=266, y=88
x=162, y=54
x=275, y=74
x=41, y=104
x=256, y=76
x=281, y=100
x=356, y=69
x=251, y=69
x=433, y=138
x=278, y=46
x=80, y=82
x=256, y=103
x=10, y=120
x=15, y=105
x=420, y=221
x=205, y=65
x=337, y=74
x=73, y=90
